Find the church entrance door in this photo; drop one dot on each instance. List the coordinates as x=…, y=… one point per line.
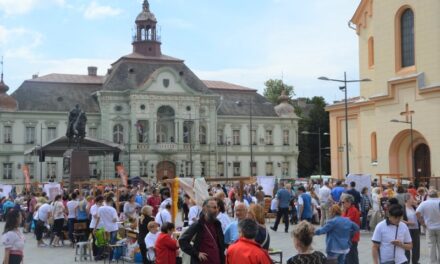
x=165, y=170
x=422, y=159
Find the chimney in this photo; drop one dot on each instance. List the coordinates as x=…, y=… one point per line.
x=92, y=70
x=34, y=76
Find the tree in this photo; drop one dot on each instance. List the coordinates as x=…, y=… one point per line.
x=273, y=90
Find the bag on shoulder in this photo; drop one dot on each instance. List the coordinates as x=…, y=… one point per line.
x=100, y=239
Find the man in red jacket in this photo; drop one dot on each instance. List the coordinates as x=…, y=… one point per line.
x=352, y=213
x=246, y=250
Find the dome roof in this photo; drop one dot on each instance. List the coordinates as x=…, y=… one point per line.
x=3, y=87
x=146, y=15
x=284, y=109
x=7, y=102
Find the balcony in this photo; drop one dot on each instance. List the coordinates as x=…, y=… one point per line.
x=164, y=147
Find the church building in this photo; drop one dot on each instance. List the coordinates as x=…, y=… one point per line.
x=393, y=126
x=169, y=122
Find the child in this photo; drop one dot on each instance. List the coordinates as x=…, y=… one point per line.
x=150, y=240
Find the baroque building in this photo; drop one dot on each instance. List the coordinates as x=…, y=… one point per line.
x=169, y=121
x=393, y=127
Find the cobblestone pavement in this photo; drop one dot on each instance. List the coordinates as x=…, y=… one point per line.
x=279, y=240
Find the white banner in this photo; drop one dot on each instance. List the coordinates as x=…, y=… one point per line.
x=268, y=183
x=362, y=180
x=52, y=189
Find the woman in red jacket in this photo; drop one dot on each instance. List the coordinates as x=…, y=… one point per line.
x=166, y=247
x=352, y=213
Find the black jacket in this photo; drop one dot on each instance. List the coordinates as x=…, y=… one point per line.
x=193, y=234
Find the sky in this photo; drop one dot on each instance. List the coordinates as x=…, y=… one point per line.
x=245, y=42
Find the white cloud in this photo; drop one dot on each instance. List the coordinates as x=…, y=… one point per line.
x=96, y=11
x=19, y=42
x=21, y=7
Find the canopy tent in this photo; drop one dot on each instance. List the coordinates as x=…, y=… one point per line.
x=95, y=147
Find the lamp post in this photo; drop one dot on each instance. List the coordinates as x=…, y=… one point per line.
x=410, y=122
x=345, y=81
x=319, y=147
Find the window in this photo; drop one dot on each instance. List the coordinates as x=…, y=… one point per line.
x=253, y=168
x=373, y=147
x=269, y=168
x=236, y=169
x=221, y=168
x=202, y=135
x=203, y=168
x=51, y=133
x=407, y=38
x=142, y=131
x=371, y=52
x=51, y=170
x=162, y=134
x=285, y=169
x=187, y=132
x=7, y=134
x=93, y=169
x=253, y=140
x=31, y=167
x=236, y=137
x=30, y=135
x=7, y=171
x=93, y=132
x=143, y=168
x=269, y=137
x=118, y=134
x=286, y=137
x=219, y=136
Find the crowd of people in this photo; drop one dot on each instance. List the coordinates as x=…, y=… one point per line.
x=229, y=227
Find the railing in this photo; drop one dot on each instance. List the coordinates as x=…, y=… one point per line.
x=164, y=147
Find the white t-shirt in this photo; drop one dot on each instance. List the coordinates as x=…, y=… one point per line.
x=71, y=208
x=384, y=234
x=430, y=210
x=194, y=213
x=108, y=217
x=224, y=220
x=274, y=204
x=150, y=241
x=58, y=210
x=164, y=203
x=324, y=194
x=13, y=240
x=43, y=212
x=162, y=217
x=94, y=214
x=412, y=217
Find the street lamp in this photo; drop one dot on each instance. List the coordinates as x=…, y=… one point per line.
x=345, y=81
x=319, y=147
x=410, y=122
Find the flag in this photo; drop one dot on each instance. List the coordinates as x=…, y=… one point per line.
x=27, y=177
x=123, y=174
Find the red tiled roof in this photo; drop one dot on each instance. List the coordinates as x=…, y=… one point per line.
x=69, y=78
x=226, y=86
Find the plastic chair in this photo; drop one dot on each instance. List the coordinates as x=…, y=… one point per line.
x=83, y=250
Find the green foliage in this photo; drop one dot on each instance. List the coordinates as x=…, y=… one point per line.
x=273, y=90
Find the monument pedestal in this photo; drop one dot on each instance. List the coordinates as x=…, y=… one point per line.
x=76, y=167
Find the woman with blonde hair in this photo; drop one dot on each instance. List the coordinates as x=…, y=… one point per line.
x=339, y=232
x=302, y=241
x=256, y=213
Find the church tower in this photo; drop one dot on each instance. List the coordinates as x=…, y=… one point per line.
x=146, y=40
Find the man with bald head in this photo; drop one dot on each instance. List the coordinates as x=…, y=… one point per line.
x=231, y=231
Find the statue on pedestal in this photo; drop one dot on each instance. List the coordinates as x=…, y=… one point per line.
x=76, y=127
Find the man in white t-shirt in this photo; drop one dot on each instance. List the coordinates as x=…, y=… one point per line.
x=99, y=200
x=164, y=215
x=108, y=218
x=391, y=238
x=72, y=207
x=41, y=217
x=428, y=214
x=324, y=201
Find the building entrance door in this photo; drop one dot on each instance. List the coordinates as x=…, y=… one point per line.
x=422, y=158
x=165, y=170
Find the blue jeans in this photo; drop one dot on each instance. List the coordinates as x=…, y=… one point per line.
x=112, y=242
x=339, y=256
x=70, y=225
x=364, y=225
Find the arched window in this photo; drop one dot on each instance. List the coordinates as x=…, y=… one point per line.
x=407, y=38
x=219, y=136
x=118, y=134
x=371, y=52
x=373, y=147
x=165, y=124
x=202, y=135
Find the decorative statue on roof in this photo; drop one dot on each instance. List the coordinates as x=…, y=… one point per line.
x=76, y=127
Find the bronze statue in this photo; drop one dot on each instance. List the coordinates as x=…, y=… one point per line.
x=76, y=128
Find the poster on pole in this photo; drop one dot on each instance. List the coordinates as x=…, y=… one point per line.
x=361, y=180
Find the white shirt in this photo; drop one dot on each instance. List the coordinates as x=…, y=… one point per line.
x=71, y=208
x=430, y=210
x=193, y=215
x=43, y=212
x=224, y=220
x=274, y=204
x=162, y=217
x=13, y=240
x=58, y=210
x=375, y=201
x=412, y=217
x=324, y=194
x=384, y=234
x=150, y=241
x=94, y=214
x=164, y=203
x=108, y=217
